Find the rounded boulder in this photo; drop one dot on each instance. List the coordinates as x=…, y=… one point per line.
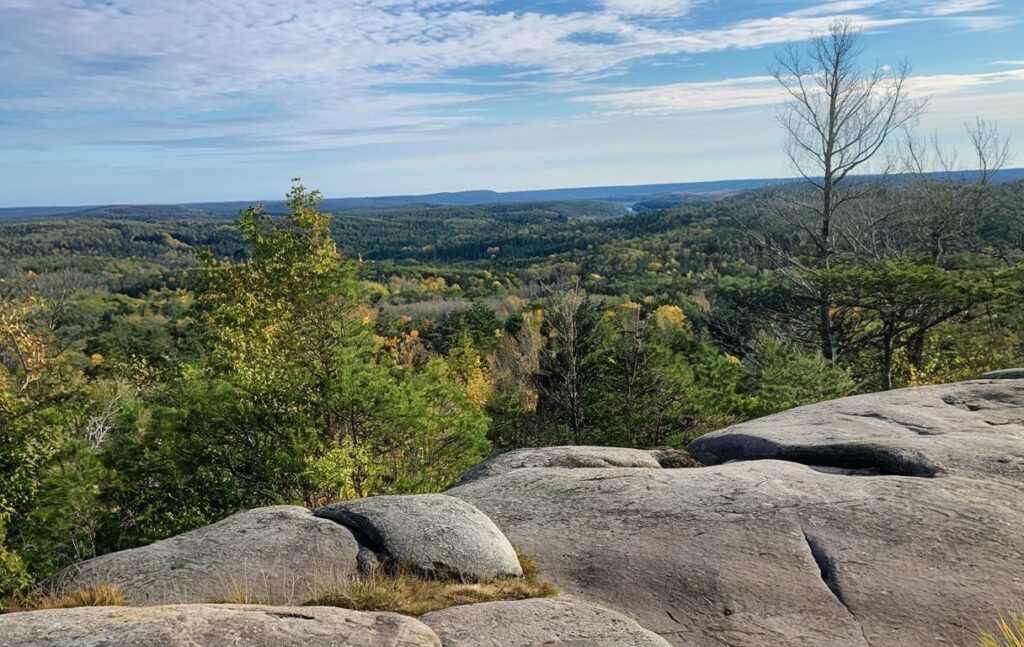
x=274, y=555
x=437, y=535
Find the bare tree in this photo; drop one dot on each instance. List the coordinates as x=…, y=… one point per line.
x=839, y=118
x=949, y=199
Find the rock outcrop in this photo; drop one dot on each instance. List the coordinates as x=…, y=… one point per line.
x=275, y=555
x=436, y=534
x=568, y=456
x=1003, y=374
x=531, y=623
x=209, y=625
x=973, y=428
x=884, y=519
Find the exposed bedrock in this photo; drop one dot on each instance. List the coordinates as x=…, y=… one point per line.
x=884, y=519
x=275, y=555
x=207, y=625
x=567, y=456
x=532, y=623
x=438, y=535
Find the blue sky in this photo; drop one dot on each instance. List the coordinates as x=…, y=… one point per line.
x=111, y=101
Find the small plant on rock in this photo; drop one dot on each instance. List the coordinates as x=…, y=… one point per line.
x=1009, y=632
x=100, y=595
x=403, y=590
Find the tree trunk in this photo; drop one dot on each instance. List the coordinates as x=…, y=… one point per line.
x=888, y=344
x=826, y=329
x=915, y=349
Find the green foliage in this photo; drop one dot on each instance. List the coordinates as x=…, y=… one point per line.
x=14, y=577
x=895, y=303
x=569, y=372
x=64, y=523
x=479, y=324
x=644, y=398
x=319, y=409
x=783, y=376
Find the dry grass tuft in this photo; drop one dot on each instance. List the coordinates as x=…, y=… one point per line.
x=239, y=594
x=404, y=591
x=1008, y=633
x=400, y=590
x=100, y=595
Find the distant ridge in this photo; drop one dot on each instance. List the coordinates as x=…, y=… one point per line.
x=641, y=195
x=624, y=194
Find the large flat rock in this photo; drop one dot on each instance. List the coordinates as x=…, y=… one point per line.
x=436, y=534
x=532, y=623
x=888, y=519
x=973, y=428
x=212, y=626
x=565, y=456
x=275, y=555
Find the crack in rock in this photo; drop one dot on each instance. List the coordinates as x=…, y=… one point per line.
x=289, y=616
x=828, y=573
x=920, y=430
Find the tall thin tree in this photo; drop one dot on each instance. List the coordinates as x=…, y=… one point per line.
x=839, y=117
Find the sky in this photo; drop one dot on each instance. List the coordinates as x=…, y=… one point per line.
x=164, y=101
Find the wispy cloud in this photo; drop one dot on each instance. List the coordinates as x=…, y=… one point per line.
x=690, y=97
x=197, y=53
x=746, y=92
x=673, y=8
x=954, y=7
x=309, y=69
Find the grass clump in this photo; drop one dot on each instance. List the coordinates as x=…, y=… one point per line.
x=402, y=590
x=100, y=595
x=1009, y=632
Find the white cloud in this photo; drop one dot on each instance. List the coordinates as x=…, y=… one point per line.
x=954, y=7
x=323, y=73
x=200, y=54
x=971, y=15
x=746, y=92
x=836, y=7
x=673, y=8
x=948, y=83
x=691, y=97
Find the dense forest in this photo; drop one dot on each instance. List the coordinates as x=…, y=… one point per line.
x=161, y=369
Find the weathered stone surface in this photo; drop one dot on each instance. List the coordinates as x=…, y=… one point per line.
x=275, y=555
x=674, y=458
x=967, y=428
x=567, y=457
x=531, y=623
x=1004, y=374
x=887, y=519
x=203, y=625
x=434, y=533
